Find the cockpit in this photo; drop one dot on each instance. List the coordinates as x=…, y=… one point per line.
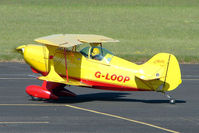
x=97, y=53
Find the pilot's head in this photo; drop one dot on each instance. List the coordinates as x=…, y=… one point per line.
x=95, y=52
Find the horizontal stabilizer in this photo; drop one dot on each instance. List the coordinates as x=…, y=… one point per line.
x=154, y=76
x=153, y=70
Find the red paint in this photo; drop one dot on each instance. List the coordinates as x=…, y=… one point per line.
x=66, y=64
x=51, y=57
x=126, y=79
x=120, y=78
x=98, y=74
x=40, y=92
x=36, y=71
x=107, y=76
x=112, y=77
x=107, y=86
x=97, y=84
x=48, y=90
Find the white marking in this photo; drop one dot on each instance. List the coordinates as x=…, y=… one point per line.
x=190, y=79
x=141, y=71
x=15, y=78
x=24, y=122
x=142, y=77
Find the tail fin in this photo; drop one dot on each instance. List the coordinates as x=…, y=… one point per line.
x=162, y=69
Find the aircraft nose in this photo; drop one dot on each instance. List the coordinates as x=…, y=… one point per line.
x=21, y=48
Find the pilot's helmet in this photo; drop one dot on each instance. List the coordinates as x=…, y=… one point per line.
x=95, y=52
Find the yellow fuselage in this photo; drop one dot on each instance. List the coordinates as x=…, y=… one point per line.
x=113, y=74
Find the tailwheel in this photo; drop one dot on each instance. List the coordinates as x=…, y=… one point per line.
x=171, y=100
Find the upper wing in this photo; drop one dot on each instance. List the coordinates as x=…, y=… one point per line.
x=69, y=40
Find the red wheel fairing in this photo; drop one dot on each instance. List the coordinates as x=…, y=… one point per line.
x=48, y=90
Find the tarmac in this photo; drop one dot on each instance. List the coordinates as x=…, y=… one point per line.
x=97, y=111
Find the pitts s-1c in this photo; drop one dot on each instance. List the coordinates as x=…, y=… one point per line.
x=60, y=64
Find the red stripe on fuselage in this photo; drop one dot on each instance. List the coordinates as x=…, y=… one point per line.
x=37, y=71
x=107, y=86
x=101, y=85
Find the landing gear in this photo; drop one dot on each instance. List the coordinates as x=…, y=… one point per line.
x=171, y=100
x=35, y=98
x=48, y=90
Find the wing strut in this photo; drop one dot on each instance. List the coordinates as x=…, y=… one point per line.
x=66, y=64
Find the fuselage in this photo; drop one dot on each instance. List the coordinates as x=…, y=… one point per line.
x=111, y=73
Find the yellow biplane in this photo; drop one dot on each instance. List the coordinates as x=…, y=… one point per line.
x=60, y=63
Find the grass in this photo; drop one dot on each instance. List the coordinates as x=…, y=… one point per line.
x=144, y=27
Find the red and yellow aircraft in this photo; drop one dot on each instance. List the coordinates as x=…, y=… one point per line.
x=60, y=64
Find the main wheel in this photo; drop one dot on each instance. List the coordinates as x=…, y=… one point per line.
x=36, y=98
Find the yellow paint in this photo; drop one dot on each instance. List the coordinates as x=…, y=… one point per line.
x=36, y=56
x=160, y=73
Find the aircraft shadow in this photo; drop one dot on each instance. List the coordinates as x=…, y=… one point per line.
x=114, y=97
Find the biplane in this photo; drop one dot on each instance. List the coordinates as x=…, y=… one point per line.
x=61, y=64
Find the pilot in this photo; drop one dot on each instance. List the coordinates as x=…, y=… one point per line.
x=96, y=54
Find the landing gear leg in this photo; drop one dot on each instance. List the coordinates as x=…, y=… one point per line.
x=171, y=100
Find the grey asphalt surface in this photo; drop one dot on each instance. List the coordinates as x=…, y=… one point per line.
x=19, y=114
